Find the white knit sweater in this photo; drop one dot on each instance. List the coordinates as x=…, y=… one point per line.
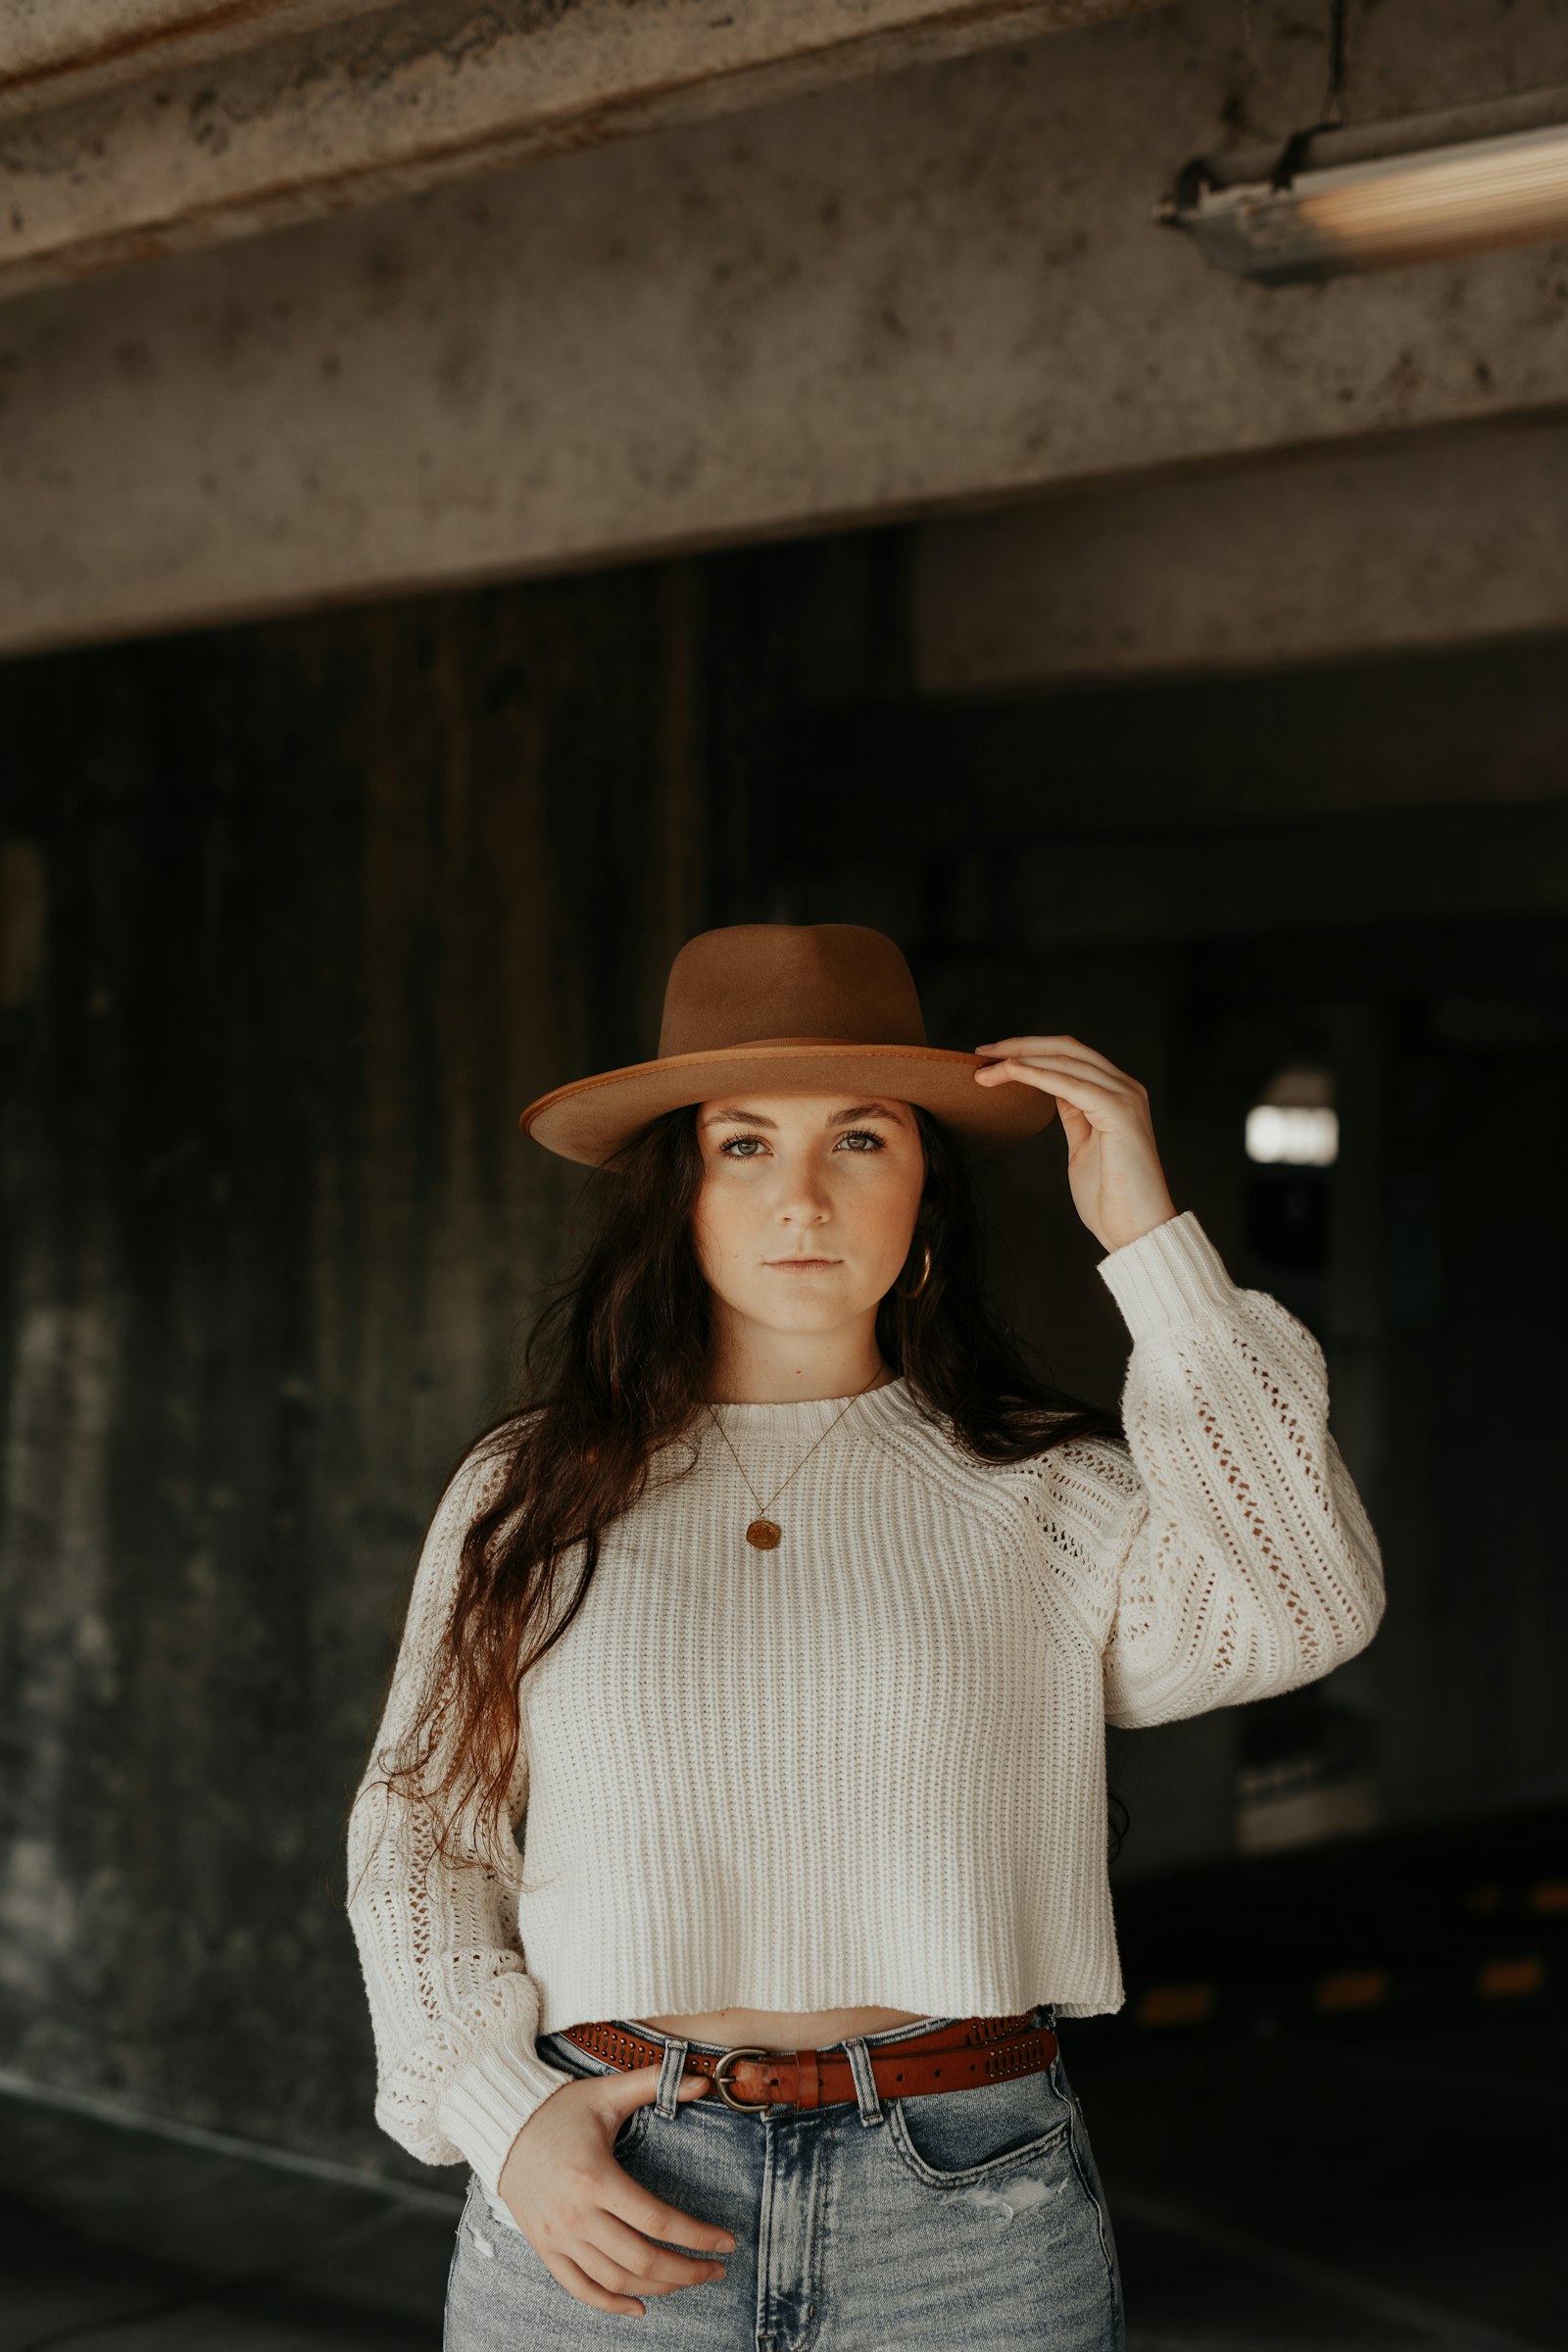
x=868, y=1766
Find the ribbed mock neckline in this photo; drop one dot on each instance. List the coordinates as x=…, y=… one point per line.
x=809, y=1416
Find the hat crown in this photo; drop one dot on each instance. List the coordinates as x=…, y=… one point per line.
x=749, y=984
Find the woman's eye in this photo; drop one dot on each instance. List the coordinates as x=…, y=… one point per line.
x=863, y=1135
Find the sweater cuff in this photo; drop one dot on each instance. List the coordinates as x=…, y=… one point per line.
x=1168, y=1276
x=488, y=2102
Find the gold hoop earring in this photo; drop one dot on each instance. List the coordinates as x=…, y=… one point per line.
x=924, y=1277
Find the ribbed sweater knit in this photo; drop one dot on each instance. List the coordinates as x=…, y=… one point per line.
x=866, y=1768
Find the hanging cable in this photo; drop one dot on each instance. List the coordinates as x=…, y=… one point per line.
x=1294, y=154
x=1334, y=114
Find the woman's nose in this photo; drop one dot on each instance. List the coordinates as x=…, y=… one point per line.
x=805, y=1194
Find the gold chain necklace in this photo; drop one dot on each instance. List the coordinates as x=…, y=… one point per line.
x=764, y=1532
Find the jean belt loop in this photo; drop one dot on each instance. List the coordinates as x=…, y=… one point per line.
x=865, y=2090
x=672, y=2067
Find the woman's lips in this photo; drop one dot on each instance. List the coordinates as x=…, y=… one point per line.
x=806, y=1263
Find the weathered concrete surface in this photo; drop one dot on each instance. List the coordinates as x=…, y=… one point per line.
x=314, y=912
x=430, y=91
x=57, y=51
x=1442, y=538
x=173, y=2239
x=940, y=289
x=293, y=919
x=932, y=290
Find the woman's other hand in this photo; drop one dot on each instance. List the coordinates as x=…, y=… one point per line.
x=588, y=2220
x=1118, y=1186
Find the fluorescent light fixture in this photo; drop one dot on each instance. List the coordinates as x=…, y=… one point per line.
x=1333, y=201
x=1294, y=1120
x=1292, y=1134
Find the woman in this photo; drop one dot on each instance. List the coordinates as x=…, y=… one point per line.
x=793, y=1606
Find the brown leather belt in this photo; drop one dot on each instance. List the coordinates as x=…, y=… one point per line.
x=954, y=2057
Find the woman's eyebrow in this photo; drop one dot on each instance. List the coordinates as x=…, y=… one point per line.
x=837, y=1119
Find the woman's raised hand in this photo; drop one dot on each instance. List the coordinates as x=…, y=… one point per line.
x=1118, y=1186
x=588, y=2220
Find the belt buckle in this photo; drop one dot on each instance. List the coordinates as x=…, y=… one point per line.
x=741, y=2106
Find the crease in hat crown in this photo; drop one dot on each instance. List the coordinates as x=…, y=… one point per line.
x=785, y=1007
x=789, y=984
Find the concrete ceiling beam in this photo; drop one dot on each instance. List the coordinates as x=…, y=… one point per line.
x=56, y=51
x=297, y=108
x=929, y=293
x=1431, y=538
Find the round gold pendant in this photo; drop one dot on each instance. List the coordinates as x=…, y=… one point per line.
x=763, y=1533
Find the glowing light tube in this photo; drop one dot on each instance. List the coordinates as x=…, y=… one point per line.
x=1329, y=219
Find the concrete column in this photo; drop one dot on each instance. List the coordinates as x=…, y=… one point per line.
x=277, y=977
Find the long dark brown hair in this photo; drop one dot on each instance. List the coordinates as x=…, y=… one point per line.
x=615, y=1370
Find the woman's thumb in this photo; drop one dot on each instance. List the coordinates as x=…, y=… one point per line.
x=642, y=2084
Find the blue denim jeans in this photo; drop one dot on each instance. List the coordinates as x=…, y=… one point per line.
x=970, y=2217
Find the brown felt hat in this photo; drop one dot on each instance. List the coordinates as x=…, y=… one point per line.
x=787, y=1008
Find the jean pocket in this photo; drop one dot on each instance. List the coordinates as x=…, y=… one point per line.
x=556, y=2051
x=1088, y=2171
x=950, y=2138
x=632, y=2132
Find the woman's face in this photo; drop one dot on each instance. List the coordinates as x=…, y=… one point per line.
x=808, y=1204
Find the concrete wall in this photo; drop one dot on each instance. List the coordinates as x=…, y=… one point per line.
x=293, y=919
x=1432, y=539
x=292, y=924
x=936, y=289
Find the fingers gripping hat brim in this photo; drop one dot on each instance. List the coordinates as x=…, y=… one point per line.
x=594, y=1118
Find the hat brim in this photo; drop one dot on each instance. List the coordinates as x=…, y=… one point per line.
x=592, y=1118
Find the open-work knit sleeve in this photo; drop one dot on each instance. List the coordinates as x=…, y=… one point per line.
x=1247, y=1564
x=453, y=2008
